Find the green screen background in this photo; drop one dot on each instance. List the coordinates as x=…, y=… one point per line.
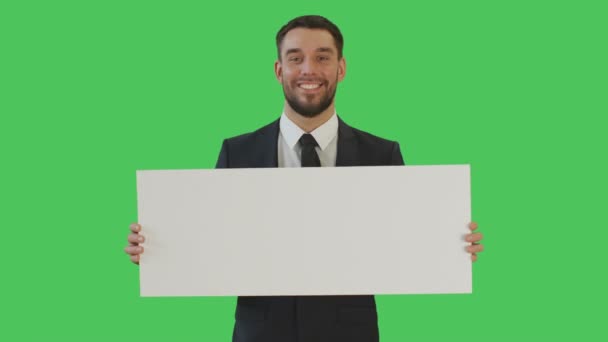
x=93, y=90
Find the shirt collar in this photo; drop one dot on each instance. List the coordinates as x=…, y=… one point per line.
x=323, y=134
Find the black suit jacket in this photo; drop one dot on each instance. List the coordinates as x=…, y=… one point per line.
x=307, y=318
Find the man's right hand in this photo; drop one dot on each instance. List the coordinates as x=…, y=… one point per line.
x=134, y=249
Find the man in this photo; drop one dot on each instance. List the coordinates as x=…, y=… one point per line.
x=309, y=133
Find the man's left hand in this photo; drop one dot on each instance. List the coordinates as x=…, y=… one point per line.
x=474, y=239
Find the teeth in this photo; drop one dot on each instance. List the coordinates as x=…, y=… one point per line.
x=310, y=86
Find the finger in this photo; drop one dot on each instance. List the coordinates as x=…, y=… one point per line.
x=134, y=250
x=473, y=225
x=474, y=237
x=475, y=248
x=135, y=259
x=135, y=227
x=473, y=257
x=138, y=238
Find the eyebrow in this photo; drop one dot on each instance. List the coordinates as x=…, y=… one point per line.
x=321, y=49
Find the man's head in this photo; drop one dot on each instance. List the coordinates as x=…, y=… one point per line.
x=311, y=22
x=310, y=63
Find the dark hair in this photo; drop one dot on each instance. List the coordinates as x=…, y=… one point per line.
x=311, y=22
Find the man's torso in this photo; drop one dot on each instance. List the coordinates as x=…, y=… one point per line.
x=307, y=318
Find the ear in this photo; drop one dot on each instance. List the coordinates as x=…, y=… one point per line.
x=341, y=69
x=278, y=70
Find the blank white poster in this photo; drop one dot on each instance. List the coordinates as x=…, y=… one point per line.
x=305, y=231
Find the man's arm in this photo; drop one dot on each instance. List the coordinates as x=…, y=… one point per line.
x=222, y=161
x=396, y=157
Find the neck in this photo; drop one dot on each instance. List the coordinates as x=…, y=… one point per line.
x=309, y=124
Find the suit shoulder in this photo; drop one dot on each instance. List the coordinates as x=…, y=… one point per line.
x=254, y=149
x=248, y=139
x=375, y=150
x=368, y=138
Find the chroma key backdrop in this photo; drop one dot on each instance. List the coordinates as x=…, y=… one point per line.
x=91, y=91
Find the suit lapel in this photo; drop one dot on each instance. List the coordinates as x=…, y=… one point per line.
x=348, y=151
x=267, y=154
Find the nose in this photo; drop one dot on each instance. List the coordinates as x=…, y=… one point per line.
x=308, y=67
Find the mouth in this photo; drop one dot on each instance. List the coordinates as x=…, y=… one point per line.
x=310, y=86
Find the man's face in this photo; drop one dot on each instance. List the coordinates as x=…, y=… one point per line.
x=309, y=70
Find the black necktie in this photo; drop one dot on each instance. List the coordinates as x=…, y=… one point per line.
x=309, y=155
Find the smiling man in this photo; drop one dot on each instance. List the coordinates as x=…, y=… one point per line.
x=308, y=134
x=309, y=67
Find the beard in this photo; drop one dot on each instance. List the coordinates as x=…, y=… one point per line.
x=310, y=109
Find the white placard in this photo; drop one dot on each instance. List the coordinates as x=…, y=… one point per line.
x=305, y=231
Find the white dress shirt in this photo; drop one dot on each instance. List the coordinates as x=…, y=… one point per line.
x=290, y=151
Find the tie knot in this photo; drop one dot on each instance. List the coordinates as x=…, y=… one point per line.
x=308, y=140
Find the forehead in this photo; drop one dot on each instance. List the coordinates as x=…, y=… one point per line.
x=307, y=40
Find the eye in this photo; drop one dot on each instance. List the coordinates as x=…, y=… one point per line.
x=295, y=59
x=323, y=58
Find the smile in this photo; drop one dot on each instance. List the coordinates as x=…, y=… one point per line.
x=309, y=86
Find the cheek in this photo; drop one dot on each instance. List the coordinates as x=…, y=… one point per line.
x=290, y=74
x=290, y=80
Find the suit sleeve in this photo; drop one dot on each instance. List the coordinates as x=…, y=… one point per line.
x=222, y=160
x=396, y=158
